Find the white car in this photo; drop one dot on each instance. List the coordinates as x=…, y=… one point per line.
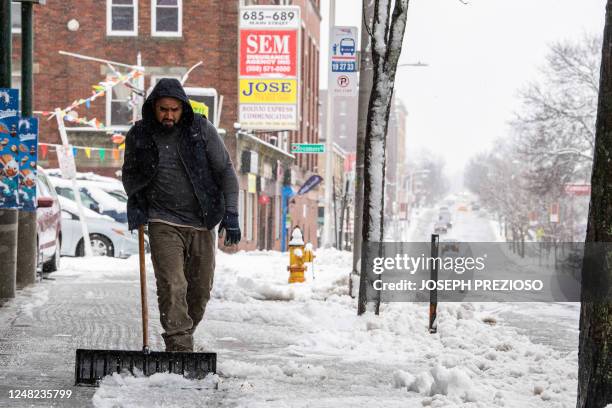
x=108, y=237
x=94, y=198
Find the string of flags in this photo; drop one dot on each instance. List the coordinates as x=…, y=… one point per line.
x=115, y=152
x=98, y=91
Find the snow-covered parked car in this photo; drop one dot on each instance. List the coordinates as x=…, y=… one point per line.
x=108, y=237
x=94, y=198
x=48, y=224
x=111, y=185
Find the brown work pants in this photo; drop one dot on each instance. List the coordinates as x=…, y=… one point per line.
x=184, y=265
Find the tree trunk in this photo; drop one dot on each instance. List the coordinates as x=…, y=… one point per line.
x=365, y=87
x=387, y=37
x=595, y=343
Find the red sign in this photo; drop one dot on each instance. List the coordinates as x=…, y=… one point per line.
x=264, y=199
x=349, y=162
x=264, y=52
x=578, y=189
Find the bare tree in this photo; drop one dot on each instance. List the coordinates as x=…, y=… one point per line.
x=555, y=127
x=387, y=36
x=595, y=341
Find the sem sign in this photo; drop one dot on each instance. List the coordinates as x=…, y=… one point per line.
x=268, y=67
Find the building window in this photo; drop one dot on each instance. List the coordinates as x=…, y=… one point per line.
x=167, y=18
x=119, y=113
x=16, y=81
x=122, y=17
x=16, y=18
x=156, y=78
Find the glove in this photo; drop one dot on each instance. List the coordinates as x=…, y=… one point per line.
x=232, y=229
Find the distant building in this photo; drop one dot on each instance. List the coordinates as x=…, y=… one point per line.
x=396, y=194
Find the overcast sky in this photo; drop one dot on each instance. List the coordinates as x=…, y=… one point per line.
x=479, y=55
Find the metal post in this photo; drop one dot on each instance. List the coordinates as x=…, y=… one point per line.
x=8, y=218
x=5, y=44
x=366, y=73
x=59, y=115
x=433, y=294
x=26, y=240
x=335, y=209
x=327, y=220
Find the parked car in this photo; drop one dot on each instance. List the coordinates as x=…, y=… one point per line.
x=94, y=198
x=108, y=237
x=111, y=185
x=48, y=224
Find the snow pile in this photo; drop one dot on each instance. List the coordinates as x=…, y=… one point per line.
x=239, y=369
x=159, y=390
x=103, y=268
x=302, y=345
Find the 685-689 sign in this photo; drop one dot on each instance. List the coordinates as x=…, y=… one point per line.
x=273, y=16
x=261, y=16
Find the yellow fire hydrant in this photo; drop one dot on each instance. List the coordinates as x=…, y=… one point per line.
x=299, y=254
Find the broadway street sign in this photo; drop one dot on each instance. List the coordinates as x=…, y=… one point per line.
x=307, y=148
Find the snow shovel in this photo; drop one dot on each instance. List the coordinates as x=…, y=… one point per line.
x=93, y=365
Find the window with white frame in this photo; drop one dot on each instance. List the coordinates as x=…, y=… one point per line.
x=16, y=81
x=156, y=78
x=122, y=17
x=119, y=113
x=15, y=17
x=166, y=18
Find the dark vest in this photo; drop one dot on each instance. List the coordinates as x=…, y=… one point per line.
x=192, y=151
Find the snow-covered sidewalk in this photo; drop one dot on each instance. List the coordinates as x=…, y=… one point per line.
x=278, y=345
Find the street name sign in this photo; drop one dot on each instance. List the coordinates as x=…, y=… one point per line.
x=307, y=148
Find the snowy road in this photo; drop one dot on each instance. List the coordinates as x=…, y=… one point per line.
x=296, y=345
x=554, y=324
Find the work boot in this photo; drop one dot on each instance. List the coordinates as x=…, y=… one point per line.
x=179, y=342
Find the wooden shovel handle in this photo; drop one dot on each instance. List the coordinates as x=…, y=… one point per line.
x=143, y=289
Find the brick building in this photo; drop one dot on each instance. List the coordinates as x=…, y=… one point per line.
x=167, y=37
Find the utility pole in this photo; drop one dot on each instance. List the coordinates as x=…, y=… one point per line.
x=366, y=74
x=8, y=217
x=327, y=219
x=26, y=231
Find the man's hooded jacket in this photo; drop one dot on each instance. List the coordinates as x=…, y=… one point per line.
x=200, y=149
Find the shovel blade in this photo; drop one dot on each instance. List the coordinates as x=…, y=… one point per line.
x=93, y=365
